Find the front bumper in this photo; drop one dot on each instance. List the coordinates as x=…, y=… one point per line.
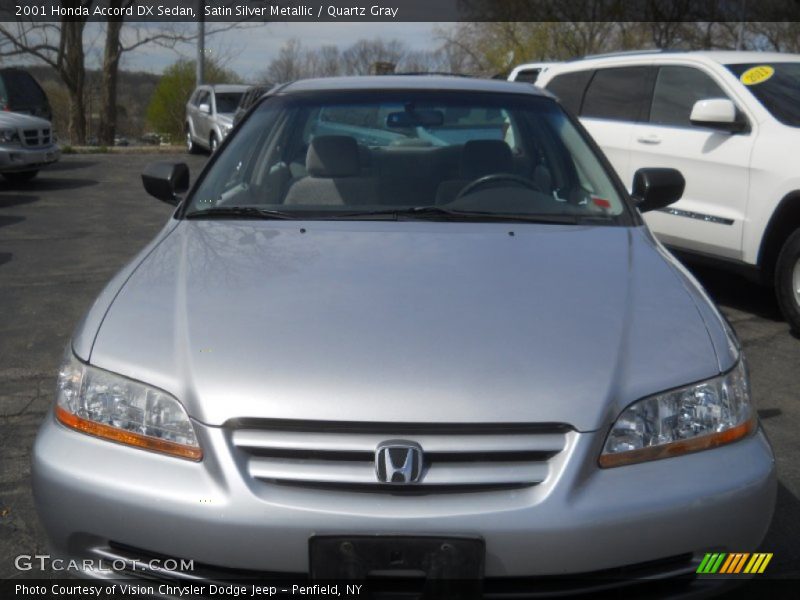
x=13, y=159
x=92, y=494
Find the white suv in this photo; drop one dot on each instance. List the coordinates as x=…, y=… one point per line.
x=730, y=122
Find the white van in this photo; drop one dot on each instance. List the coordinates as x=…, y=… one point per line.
x=730, y=122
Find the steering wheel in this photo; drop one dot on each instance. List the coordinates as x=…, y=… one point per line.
x=495, y=177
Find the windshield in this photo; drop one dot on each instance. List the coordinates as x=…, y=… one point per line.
x=227, y=102
x=338, y=155
x=776, y=86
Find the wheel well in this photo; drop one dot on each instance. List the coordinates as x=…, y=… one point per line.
x=784, y=221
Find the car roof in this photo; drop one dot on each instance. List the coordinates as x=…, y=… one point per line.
x=229, y=87
x=409, y=82
x=719, y=56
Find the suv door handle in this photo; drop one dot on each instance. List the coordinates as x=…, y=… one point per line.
x=649, y=139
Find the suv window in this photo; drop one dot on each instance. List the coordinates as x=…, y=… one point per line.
x=778, y=91
x=676, y=91
x=200, y=97
x=227, y=101
x=620, y=94
x=569, y=88
x=528, y=75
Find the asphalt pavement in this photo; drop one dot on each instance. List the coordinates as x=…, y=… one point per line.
x=63, y=235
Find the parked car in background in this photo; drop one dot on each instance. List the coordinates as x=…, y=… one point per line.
x=730, y=122
x=26, y=146
x=248, y=99
x=209, y=115
x=529, y=72
x=406, y=325
x=20, y=92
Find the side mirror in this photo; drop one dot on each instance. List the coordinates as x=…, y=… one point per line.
x=716, y=113
x=205, y=107
x=657, y=188
x=165, y=180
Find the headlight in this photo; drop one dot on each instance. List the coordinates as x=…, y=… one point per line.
x=692, y=418
x=112, y=407
x=9, y=136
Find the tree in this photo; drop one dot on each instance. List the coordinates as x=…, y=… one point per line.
x=59, y=45
x=167, y=110
x=290, y=64
x=360, y=57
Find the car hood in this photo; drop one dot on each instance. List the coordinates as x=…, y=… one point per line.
x=225, y=118
x=14, y=119
x=406, y=322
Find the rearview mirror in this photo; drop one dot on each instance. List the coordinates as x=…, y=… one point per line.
x=205, y=108
x=716, y=113
x=415, y=118
x=165, y=180
x=657, y=188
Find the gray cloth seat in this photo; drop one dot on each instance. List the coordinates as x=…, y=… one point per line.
x=333, y=164
x=478, y=159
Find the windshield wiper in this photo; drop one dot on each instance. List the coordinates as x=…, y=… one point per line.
x=239, y=212
x=447, y=214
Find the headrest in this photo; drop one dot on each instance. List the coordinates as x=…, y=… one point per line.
x=483, y=157
x=332, y=156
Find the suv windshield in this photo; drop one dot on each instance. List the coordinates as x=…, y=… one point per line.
x=21, y=89
x=390, y=153
x=776, y=86
x=228, y=101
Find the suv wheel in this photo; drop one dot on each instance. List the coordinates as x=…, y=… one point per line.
x=191, y=147
x=20, y=176
x=213, y=143
x=787, y=281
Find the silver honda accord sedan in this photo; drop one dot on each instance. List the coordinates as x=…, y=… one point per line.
x=404, y=325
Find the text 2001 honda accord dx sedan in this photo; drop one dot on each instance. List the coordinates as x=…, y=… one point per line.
x=405, y=325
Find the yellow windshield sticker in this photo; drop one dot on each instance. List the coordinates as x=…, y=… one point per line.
x=757, y=75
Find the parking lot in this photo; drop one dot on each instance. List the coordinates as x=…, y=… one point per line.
x=63, y=235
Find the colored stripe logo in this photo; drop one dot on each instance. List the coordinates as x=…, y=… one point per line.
x=734, y=563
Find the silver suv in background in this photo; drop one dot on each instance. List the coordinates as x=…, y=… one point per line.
x=26, y=145
x=209, y=115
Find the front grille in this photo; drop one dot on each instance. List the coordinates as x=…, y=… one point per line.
x=455, y=457
x=36, y=137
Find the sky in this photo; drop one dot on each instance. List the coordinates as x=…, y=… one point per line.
x=248, y=51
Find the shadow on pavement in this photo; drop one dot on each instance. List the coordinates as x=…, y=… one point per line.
x=10, y=220
x=734, y=291
x=50, y=183
x=782, y=541
x=5, y=257
x=16, y=199
x=68, y=165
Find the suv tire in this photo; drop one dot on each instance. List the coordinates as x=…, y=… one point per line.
x=191, y=147
x=213, y=143
x=20, y=176
x=787, y=281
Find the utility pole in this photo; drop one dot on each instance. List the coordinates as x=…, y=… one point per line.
x=201, y=43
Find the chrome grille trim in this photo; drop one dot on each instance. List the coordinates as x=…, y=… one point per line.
x=454, y=457
x=34, y=138
x=431, y=443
